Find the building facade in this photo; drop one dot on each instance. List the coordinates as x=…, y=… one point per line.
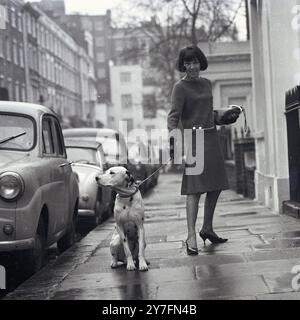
x=41, y=63
x=127, y=96
x=12, y=62
x=274, y=29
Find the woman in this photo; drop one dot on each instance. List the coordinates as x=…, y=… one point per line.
x=192, y=103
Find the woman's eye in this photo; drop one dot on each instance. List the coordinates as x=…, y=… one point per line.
x=112, y=172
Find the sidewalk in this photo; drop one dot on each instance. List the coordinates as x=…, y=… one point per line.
x=256, y=262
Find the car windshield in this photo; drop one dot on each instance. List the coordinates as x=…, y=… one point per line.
x=17, y=132
x=82, y=155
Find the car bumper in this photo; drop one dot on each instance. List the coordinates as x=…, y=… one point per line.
x=16, y=245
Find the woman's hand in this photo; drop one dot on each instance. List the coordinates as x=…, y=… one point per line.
x=232, y=117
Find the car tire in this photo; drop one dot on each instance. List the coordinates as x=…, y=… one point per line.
x=98, y=217
x=69, y=238
x=34, y=259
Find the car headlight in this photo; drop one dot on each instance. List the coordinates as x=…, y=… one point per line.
x=11, y=185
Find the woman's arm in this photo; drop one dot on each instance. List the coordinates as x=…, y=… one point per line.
x=177, y=102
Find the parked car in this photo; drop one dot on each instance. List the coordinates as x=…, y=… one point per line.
x=113, y=143
x=38, y=190
x=139, y=164
x=88, y=160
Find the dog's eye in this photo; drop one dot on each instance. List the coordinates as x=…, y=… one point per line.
x=112, y=172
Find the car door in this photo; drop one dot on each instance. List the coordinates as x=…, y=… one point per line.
x=65, y=171
x=54, y=190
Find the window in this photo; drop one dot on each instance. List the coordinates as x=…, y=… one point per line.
x=48, y=146
x=9, y=87
x=101, y=73
x=15, y=52
x=100, y=42
x=20, y=22
x=17, y=91
x=7, y=14
x=23, y=93
x=13, y=17
x=8, y=50
x=59, y=139
x=28, y=20
x=125, y=77
x=99, y=25
x=1, y=47
x=12, y=125
x=33, y=25
x=100, y=57
x=30, y=55
x=21, y=55
x=126, y=100
x=102, y=88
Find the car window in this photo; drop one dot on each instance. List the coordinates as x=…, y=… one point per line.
x=13, y=125
x=60, y=146
x=82, y=155
x=48, y=145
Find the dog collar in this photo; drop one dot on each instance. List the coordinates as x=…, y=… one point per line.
x=127, y=192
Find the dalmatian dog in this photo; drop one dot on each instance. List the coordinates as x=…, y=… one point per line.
x=128, y=241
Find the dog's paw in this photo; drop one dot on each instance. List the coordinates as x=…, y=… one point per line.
x=130, y=265
x=114, y=264
x=143, y=266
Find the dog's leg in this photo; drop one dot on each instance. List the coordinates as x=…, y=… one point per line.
x=129, y=258
x=116, y=250
x=142, y=245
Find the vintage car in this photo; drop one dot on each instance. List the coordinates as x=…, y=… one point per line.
x=113, y=143
x=88, y=160
x=39, y=192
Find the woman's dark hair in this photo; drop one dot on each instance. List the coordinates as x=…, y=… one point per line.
x=191, y=53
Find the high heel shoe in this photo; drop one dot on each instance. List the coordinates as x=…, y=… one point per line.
x=212, y=238
x=191, y=251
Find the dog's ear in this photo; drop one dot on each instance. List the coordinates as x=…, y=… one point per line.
x=129, y=178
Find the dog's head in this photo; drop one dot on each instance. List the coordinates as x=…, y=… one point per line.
x=115, y=177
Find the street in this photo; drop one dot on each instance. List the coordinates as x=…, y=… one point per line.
x=260, y=260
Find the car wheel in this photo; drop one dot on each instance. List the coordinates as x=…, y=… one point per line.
x=69, y=238
x=34, y=259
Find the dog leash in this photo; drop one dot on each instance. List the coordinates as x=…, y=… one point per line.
x=243, y=110
x=139, y=184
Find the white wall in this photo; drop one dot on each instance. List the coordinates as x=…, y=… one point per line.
x=275, y=70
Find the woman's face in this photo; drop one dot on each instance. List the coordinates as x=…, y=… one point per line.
x=192, y=68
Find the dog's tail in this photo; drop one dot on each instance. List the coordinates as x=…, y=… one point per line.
x=130, y=230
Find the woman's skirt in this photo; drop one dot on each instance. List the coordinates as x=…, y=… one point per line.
x=213, y=176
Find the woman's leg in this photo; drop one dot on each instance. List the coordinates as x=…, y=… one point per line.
x=209, y=210
x=192, y=205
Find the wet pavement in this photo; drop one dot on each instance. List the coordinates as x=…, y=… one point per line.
x=258, y=262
